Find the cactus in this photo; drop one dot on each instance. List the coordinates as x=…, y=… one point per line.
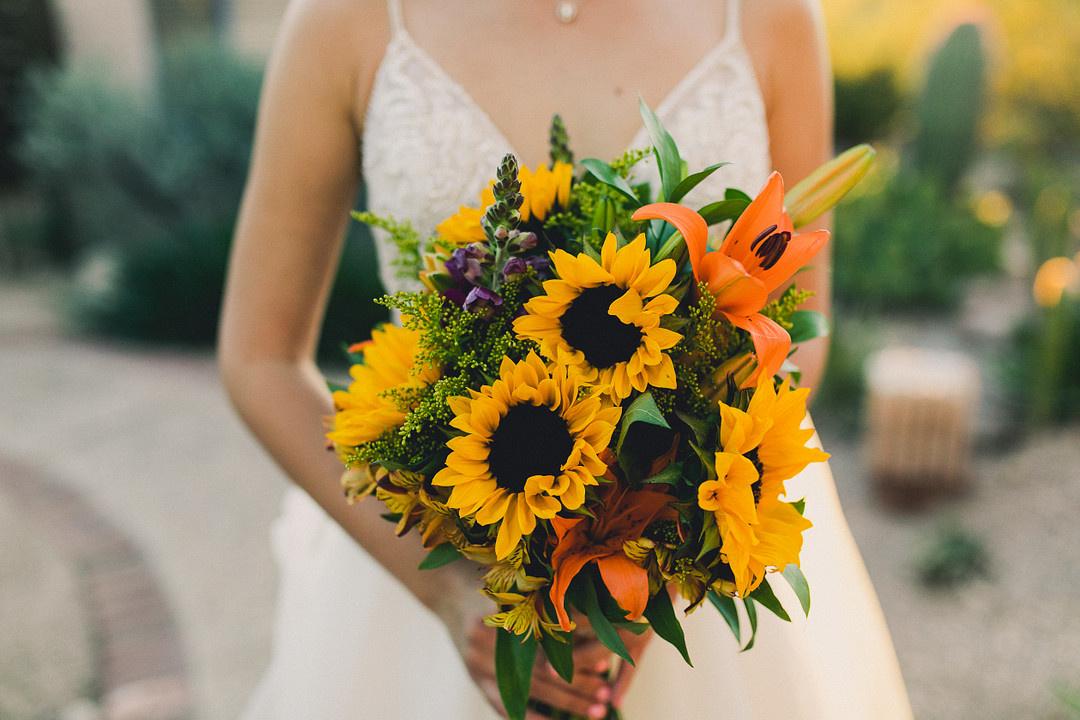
x=560, y=142
x=950, y=106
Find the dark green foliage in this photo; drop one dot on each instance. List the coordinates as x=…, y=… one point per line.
x=154, y=187
x=30, y=37
x=909, y=248
x=169, y=290
x=950, y=107
x=866, y=106
x=954, y=557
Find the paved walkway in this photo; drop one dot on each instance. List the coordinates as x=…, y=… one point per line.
x=148, y=439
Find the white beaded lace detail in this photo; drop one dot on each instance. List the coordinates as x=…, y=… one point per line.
x=429, y=148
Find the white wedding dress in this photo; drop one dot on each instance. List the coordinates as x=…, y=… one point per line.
x=350, y=642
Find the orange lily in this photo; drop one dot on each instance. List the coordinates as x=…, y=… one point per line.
x=583, y=540
x=759, y=254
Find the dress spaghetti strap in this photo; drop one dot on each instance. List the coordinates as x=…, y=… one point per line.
x=732, y=30
x=397, y=19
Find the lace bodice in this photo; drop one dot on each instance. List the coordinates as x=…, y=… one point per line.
x=428, y=147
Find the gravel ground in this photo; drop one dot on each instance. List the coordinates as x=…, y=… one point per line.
x=148, y=438
x=1000, y=647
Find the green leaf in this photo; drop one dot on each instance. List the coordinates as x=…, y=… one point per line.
x=764, y=594
x=690, y=182
x=710, y=537
x=726, y=607
x=668, y=476
x=668, y=161
x=442, y=555
x=643, y=409
x=751, y=615
x=737, y=194
x=603, y=172
x=707, y=458
x=674, y=247
x=513, y=671
x=661, y=616
x=799, y=505
x=702, y=429
x=794, y=575
x=807, y=325
x=638, y=628
x=559, y=650
x=718, y=212
x=586, y=600
x=334, y=387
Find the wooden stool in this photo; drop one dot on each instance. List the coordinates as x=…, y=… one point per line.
x=920, y=417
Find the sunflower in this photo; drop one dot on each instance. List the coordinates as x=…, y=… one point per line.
x=599, y=318
x=368, y=409
x=761, y=448
x=532, y=443
x=541, y=189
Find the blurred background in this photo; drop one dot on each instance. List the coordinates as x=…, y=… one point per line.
x=136, y=580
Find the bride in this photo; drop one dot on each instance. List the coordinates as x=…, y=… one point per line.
x=421, y=98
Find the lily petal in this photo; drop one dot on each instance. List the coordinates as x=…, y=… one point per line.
x=767, y=209
x=627, y=582
x=800, y=250
x=771, y=344
x=565, y=572
x=735, y=290
x=689, y=224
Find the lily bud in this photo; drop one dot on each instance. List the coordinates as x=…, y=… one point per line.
x=822, y=189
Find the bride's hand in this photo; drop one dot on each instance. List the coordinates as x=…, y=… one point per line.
x=462, y=609
x=591, y=691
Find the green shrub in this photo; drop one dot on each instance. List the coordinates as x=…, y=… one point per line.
x=1040, y=372
x=866, y=106
x=151, y=190
x=953, y=557
x=908, y=247
x=169, y=291
x=840, y=397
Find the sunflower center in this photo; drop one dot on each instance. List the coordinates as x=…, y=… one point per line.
x=752, y=456
x=603, y=338
x=530, y=440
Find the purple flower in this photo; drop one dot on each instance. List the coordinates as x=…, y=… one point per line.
x=517, y=266
x=514, y=267
x=482, y=299
x=539, y=263
x=523, y=241
x=466, y=264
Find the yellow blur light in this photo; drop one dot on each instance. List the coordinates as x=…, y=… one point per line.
x=993, y=208
x=1055, y=277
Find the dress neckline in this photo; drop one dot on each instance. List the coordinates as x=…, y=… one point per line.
x=719, y=52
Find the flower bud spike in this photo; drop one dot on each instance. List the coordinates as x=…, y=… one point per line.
x=560, y=142
x=504, y=212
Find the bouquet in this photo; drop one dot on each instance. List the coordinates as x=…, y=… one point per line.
x=584, y=397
